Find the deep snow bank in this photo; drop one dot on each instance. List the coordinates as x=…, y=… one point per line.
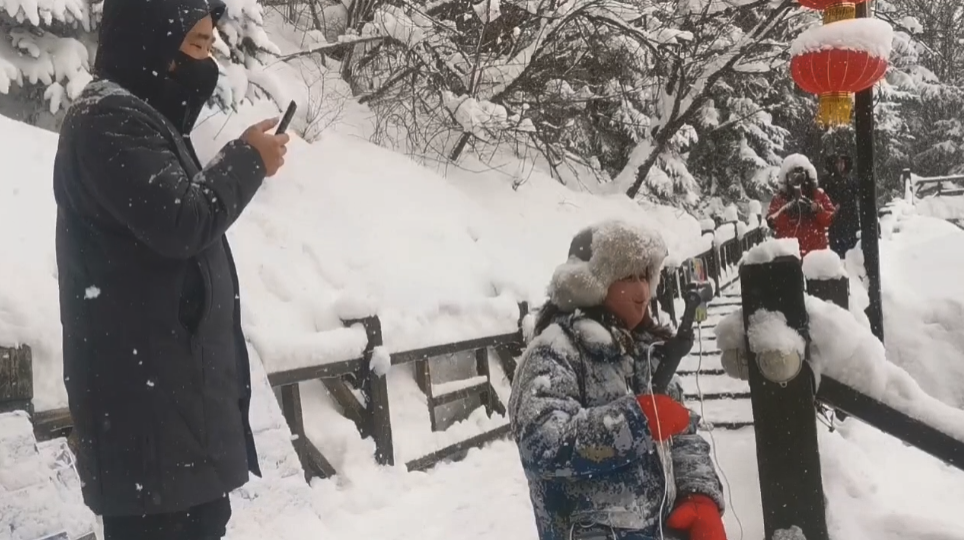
x=347, y=229
x=923, y=293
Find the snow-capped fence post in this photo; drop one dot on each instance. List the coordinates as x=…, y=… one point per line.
x=375, y=389
x=788, y=457
x=16, y=379
x=827, y=278
x=908, y=182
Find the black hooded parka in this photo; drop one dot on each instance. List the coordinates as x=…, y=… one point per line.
x=155, y=362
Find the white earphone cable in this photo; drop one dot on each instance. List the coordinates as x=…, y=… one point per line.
x=715, y=455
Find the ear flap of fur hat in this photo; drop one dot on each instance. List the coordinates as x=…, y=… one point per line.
x=599, y=256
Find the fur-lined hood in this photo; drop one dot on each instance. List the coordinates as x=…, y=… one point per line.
x=797, y=161
x=599, y=256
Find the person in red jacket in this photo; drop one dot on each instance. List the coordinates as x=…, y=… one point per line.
x=800, y=209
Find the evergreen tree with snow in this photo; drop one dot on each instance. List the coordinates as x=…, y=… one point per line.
x=47, y=50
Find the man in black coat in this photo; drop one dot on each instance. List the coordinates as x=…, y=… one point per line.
x=841, y=187
x=155, y=362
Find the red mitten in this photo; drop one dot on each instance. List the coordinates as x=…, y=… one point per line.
x=698, y=515
x=665, y=415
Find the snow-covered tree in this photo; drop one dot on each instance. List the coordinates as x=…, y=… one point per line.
x=47, y=50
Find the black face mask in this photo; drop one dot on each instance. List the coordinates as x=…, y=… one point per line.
x=186, y=89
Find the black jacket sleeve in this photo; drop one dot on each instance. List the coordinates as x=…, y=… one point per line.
x=133, y=171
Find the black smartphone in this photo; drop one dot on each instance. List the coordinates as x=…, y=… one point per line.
x=286, y=119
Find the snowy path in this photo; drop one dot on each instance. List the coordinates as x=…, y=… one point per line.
x=723, y=402
x=878, y=489
x=277, y=506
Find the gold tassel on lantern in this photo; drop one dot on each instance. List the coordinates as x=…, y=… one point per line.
x=835, y=109
x=840, y=12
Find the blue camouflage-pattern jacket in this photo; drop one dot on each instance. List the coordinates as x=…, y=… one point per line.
x=584, y=442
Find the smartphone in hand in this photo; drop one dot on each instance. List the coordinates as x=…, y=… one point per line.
x=286, y=119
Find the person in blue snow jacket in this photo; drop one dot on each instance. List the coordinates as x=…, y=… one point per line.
x=606, y=458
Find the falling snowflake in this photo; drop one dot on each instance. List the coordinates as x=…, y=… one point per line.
x=91, y=293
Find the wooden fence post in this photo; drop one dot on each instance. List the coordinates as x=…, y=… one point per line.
x=835, y=291
x=508, y=353
x=783, y=414
x=666, y=293
x=375, y=389
x=16, y=379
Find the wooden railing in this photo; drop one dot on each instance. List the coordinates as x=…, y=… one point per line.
x=344, y=380
x=372, y=414
x=714, y=264
x=918, y=187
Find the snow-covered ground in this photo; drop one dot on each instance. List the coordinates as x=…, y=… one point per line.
x=349, y=228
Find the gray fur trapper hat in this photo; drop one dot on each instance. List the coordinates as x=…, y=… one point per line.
x=601, y=255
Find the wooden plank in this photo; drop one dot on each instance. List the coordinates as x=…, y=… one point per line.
x=317, y=463
x=51, y=424
x=891, y=421
x=423, y=378
x=507, y=360
x=835, y=291
x=482, y=368
x=310, y=373
x=406, y=357
x=716, y=396
x=429, y=461
x=312, y=461
x=375, y=389
x=707, y=426
x=476, y=389
x=16, y=379
x=688, y=372
x=350, y=405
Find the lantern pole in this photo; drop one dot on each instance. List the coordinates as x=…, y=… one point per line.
x=867, y=198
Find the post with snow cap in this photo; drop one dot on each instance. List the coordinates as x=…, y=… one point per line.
x=827, y=278
x=782, y=390
x=867, y=197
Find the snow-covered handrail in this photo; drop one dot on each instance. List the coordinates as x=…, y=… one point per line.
x=913, y=185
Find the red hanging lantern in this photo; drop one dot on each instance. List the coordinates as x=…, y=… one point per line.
x=835, y=74
x=834, y=10
x=839, y=59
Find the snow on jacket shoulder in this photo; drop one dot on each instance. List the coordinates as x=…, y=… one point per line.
x=584, y=443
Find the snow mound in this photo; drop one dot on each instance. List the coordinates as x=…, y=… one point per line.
x=39, y=489
x=769, y=332
x=844, y=349
x=923, y=296
x=772, y=249
x=823, y=264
